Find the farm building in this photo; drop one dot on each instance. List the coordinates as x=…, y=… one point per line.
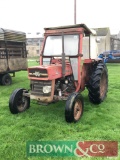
x=115, y=42
x=103, y=34
x=100, y=42
x=33, y=44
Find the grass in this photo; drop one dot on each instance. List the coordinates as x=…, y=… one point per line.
x=99, y=122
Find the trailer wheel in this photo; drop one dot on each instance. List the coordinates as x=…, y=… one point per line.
x=17, y=102
x=6, y=80
x=74, y=107
x=98, y=84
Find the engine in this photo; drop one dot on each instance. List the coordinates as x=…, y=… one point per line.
x=64, y=86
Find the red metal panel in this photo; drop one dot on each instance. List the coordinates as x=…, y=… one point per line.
x=69, y=30
x=88, y=60
x=54, y=71
x=79, y=64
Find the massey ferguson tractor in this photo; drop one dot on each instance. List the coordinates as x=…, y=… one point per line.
x=64, y=73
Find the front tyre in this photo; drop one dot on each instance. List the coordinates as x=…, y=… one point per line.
x=17, y=102
x=98, y=84
x=74, y=107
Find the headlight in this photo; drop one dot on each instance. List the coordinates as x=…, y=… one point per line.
x=46, y=89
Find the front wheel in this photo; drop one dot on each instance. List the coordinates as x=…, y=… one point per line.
x=18, y=102
x=74, y=107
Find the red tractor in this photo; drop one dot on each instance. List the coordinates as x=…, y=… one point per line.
x=63, y=73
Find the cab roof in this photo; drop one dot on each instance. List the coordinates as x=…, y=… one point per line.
x=86, y=29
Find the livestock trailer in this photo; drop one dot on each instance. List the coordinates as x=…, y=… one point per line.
x=13, y=55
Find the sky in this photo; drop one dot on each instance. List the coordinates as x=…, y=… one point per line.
x=32, y=16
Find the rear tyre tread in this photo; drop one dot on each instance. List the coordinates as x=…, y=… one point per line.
x=94, y=83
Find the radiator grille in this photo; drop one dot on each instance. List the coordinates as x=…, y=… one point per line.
x=37, y=88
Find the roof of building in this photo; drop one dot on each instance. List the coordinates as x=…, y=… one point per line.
x=102, y=31
x=34, y=35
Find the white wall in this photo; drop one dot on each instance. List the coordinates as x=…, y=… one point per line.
x=93, y=47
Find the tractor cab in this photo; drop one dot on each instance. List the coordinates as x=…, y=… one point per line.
x=61, y=60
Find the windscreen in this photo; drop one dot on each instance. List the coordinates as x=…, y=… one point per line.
x=53, y=45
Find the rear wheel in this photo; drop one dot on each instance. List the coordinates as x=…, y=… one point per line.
x=74, y=107
x=98, y=84
x=17, y=102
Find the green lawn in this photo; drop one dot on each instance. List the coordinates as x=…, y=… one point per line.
x=99, y=122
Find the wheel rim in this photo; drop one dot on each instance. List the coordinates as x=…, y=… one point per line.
x=77, y=110
x=7, y=81
x=103, y=83
x=22, y=104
